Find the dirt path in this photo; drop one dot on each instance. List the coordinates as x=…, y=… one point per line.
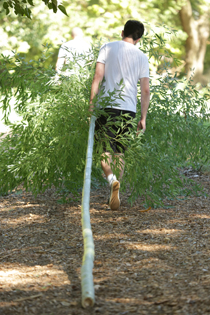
x=155, y=262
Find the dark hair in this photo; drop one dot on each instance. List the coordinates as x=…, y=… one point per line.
x=133, y=29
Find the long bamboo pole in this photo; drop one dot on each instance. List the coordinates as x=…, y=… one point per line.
x=88, y=296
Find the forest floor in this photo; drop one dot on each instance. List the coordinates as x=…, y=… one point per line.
x=153, y=262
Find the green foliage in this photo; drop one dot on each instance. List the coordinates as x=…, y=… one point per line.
x=49, y=146
x=176, y=136
x=23, y=7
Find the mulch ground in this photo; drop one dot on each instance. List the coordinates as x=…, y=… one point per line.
x=154, y=262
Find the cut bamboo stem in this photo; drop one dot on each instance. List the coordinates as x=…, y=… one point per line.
x=88, y=295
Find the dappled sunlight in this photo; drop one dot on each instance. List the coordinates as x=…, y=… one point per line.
x=148, y=247
x=99, y=280
x=135, y=301
x=23, y=277
x=26, y=219
x=110, y=236
x=160, y=231
x=109, y=219
x=20, y=204
x=201, y=216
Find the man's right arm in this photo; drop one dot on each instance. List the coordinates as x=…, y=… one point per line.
x=61, y=59
x=59, y=64
x=145, y=98
x=98, y=77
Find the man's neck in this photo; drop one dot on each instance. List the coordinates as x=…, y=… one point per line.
x=129, y=40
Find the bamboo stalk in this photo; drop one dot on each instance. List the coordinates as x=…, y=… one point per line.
x=88, y=296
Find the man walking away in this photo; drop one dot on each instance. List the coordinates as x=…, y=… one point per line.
x=121, y=61
x=73, y=48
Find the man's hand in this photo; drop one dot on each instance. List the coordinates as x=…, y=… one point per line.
x=91, y=107
x=141, y=127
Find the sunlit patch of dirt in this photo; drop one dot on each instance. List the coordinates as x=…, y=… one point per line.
x=24, y=277
x=161, y=231
x=149, y=248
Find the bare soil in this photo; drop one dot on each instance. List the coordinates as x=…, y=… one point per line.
x=153, y=262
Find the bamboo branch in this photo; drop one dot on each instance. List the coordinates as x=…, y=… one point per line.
x=88, y=297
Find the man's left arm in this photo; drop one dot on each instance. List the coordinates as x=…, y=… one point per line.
x=145, y=98
x=98, y=77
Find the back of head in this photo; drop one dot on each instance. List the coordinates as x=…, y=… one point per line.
x=77, y=32
x=133, y=29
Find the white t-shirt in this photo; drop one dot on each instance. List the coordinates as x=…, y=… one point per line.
x=123, y=61
x=72, y=51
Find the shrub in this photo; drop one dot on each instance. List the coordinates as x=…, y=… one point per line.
x=48, y=147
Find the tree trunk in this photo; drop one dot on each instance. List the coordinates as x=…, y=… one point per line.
x=198, y=34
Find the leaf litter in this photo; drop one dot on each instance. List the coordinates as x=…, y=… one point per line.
x=146, y=262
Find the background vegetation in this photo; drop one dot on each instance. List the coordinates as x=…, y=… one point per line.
x=104, y=19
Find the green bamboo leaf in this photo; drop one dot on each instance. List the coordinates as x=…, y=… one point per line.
x=60, y=7
x=5, y=5
x=28, y=12
x=54, y=8
x=31, y=2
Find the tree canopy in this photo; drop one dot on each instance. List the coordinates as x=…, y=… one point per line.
x=105, y=19
x=23, y=7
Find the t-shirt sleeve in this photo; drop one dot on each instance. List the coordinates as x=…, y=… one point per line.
x=144, y=72
x=102, y=54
